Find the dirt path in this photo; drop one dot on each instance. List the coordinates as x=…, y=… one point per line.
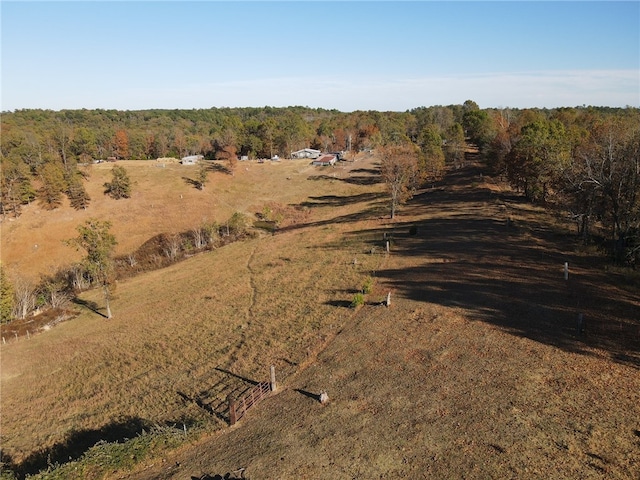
x=476, y=371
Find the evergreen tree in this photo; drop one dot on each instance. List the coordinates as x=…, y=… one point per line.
x=120, y=185
x=76, y=192
x=53, y=186
x=203, y=173
x=7, y=301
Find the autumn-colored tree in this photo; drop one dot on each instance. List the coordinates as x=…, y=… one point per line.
x=150, y=146
x=401, y=172
x=95, y=238
x=229, y=154
x=225, y=146
x=121, y=144
x=604, y=180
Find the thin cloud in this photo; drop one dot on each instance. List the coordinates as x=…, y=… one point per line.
x=615, y=88
x=521, y=90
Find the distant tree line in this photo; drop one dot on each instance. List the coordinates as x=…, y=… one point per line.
x=43, y=152
x=583, y=160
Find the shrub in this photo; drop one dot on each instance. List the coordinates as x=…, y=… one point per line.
x=358, y=300
x=367, y=287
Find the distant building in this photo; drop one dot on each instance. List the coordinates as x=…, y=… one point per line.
x=191, y=160
x=306, y=153
x=325, y=161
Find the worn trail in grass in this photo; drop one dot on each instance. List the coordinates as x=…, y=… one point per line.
x=476, y=370
x=185, y=336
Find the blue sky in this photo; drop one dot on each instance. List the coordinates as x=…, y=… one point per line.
x=347, y=55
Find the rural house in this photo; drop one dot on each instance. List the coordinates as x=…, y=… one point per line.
x=325, y=161
x=191, y=160
x=306, y=153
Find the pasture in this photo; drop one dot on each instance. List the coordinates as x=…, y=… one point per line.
x=476, y=369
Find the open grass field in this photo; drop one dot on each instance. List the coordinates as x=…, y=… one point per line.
x=476, y=370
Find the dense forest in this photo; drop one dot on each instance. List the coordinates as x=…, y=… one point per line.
x=583, y=160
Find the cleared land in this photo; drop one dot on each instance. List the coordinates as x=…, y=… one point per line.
x=476, y=370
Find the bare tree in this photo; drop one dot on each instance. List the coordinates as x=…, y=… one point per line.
x=198, y=235
x=172, y=246
x=606, y=179
x=131, y=259
x=400, y=172
x=79, y=277
x=54, y=290
x=25, y=297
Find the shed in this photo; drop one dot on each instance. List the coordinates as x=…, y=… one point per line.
x=306, y=153
x=325, y=161
x=191, y=159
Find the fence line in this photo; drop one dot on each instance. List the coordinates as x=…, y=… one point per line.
x=238, y=407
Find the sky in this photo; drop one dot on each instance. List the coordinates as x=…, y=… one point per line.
x=344, y=55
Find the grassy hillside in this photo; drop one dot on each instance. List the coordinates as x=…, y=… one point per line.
x=239, y=308
x=476, y=370
x=163, y=201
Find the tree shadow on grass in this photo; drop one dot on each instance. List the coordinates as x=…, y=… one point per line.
x=194, y=183
x=218, y=166
x=341, y=200
x=233, y=475
x=214, y=398
x=375, y=209
x=510, y=275
x=76, y=444
x=353, y=180
x=339, y=303
x=313, y=396
x=93, y=306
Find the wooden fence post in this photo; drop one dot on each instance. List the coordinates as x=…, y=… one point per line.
x=580, y=325
x=272, y=372
x=232, y=410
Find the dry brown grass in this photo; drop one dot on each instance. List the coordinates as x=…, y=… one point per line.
x=163, y=201
x=475, y=371
x=241, y=307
